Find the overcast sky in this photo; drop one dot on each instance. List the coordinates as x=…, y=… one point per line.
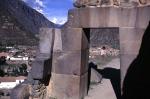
x=55, y=10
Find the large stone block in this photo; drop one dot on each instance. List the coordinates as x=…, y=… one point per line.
x=68, y=86
x=70, y=39
x=94, y=17
x=142, y=17
x=46, y=36
x=130, y=40
x=109, y=17
x=41, y=67
x=127, y=17
x=71, y=62
x=73, y=18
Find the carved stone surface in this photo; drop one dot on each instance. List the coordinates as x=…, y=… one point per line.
x=96, y=3
x=103, y=3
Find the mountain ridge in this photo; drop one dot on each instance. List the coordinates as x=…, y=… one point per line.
x=20, y=23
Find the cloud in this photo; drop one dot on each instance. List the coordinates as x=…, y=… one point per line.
x=24, y=0
x=58, y=20
x=40, y=3
x=39, y=9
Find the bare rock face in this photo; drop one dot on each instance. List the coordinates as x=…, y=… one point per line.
x=19, y=23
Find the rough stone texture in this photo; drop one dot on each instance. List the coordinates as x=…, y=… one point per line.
x=95, y=3
x=20, y=92
x=95, y=17
x=41, y=67
x=127, y=16
x=70, y=39
x=75, y=63
x=43, y=63
x=68, y=86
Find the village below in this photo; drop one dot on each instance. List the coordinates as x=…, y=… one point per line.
x=15, y=63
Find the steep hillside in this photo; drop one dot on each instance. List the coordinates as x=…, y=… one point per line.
x=104, y=36
x=19, y=23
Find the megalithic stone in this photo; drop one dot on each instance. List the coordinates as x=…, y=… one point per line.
x=70, y=64
x=42, y=65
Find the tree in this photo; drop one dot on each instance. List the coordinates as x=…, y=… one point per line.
x=2, y=60
x=24, y=66
x=2, y=73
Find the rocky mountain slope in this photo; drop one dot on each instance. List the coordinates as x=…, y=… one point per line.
x=19, y=23
x=104, y=36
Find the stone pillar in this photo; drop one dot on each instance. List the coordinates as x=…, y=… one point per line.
x=42, y=64
x=132, y=27
x=70, y=64
x=130, y=41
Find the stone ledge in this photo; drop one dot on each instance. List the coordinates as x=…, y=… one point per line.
x=109, y=17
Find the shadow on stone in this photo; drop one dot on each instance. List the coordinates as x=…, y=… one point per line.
x=137, y=81
x=109, y=73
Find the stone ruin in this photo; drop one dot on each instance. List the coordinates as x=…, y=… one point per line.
x=60, y=70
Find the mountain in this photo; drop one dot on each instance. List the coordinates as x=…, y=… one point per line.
x=104, y=36
x=19, y=23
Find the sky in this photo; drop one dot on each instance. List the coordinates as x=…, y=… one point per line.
x=54, y=10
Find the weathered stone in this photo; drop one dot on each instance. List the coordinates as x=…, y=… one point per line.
x=128, y=17
x=46, y=40
x=71, y=62
x=96, y=77
x=95, y=17
x=68, y=86
x=142, y=17
x=95, y=3
x=41, y=68
x=57, y=41
x=143, y=2
x=130, y=41
x=20, y=92
x=86, y=3
x=70, y=39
